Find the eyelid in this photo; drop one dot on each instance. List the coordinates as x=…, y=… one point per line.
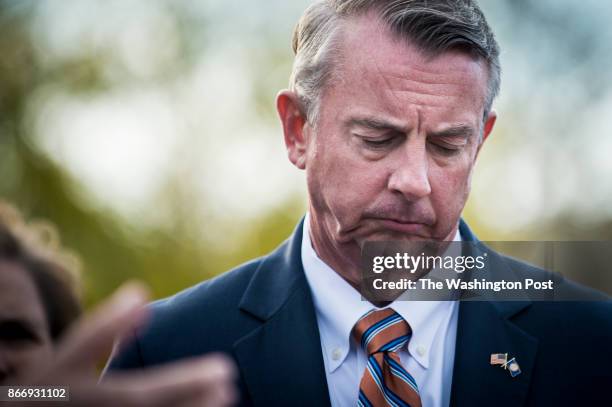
x=448, y=141
x=377, y=142
x=452, y=141
x=449, y=145
x=449, y=151
x=377, y=135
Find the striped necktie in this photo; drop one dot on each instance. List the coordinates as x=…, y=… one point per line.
x=385, y=382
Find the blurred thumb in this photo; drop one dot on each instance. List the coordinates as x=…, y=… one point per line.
x=92, y=337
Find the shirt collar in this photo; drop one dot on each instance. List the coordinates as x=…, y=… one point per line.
x=339, y=306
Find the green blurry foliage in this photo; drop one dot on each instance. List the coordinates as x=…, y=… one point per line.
x=112, y=251
x=176, y=256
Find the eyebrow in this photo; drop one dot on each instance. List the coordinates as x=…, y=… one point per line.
x=376, y=124
x=461, y=130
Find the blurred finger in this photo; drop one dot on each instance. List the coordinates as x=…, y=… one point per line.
x=92, y=337
x=205, y=381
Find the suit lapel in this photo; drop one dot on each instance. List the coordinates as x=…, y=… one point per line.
x=281, y=361
x=483, y=329
x=486, y=327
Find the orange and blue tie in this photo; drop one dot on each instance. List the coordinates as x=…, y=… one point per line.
x=385, y=382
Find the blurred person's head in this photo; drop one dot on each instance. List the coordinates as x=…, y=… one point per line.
x=388, y=106
x=38, y=291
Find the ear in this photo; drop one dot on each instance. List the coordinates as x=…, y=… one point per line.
x=294, y=127
x=487, y=128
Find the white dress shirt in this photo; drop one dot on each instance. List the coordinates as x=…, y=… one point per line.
x=429, y=357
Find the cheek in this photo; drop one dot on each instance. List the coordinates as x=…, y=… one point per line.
x=341, y=180
x=450, y=188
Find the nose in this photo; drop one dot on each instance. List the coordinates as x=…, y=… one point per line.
x=410, y=174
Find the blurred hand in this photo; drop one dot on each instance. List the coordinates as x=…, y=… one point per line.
x=204, y=381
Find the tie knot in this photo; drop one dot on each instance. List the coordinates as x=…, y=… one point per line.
x=382, y=331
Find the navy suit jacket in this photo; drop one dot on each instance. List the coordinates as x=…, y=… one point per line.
x=261, y=314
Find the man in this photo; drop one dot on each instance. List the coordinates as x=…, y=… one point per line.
x=388, y=107
x=43, y=344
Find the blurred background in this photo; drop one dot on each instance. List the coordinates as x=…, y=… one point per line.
x=146, y=130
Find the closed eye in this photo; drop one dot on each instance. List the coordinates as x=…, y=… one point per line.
x=446, y=149
x=375, y=143
x=381, y=141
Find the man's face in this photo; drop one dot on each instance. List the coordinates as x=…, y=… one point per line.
x=24, y=332
x=392, y=153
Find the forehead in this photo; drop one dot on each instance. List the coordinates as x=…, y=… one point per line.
x=20, y=298
x=376, y=69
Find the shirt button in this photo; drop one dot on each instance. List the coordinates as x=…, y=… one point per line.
x=420, y=350
x=337, y=354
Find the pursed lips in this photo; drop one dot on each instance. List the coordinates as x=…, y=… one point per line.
x=403, y=225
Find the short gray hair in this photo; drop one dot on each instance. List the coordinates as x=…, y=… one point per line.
x=434, y=26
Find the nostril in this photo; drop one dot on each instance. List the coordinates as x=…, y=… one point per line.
x=6, y=371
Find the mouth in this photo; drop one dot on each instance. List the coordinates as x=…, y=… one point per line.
x=404, y=226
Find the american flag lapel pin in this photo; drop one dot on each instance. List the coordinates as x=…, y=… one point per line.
x=499, y=358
